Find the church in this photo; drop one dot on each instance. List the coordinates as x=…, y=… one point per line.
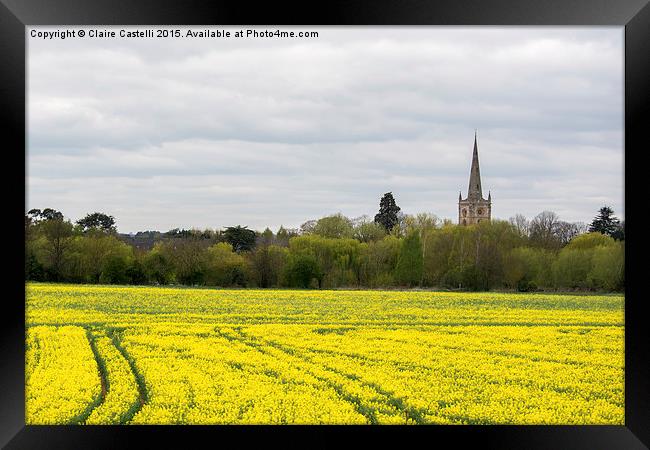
x=474, y=208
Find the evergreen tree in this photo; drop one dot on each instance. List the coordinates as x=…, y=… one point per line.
x=619, y=234
x=241, y=238
x=388, y=209
x=606, y=223
x=410, y=263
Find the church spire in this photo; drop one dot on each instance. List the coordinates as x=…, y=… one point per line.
x=474, y=191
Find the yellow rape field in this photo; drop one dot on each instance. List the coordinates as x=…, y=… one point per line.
x=154, y=355
x=61, y=382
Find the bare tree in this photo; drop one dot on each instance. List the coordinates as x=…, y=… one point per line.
x=401, y=228
x=543, y=230
x=566, y=231
x=581, y=227
x=356, y=221
x=308, y=227
x=522, y=224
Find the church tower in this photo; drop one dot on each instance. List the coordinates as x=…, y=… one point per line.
x=474, y=208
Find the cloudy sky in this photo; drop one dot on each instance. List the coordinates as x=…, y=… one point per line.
x=208, y=133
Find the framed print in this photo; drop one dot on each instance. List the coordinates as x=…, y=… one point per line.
x=393, y=220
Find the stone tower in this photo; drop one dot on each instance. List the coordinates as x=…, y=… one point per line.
x=474, y=208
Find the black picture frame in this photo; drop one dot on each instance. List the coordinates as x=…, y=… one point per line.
x=15, y=15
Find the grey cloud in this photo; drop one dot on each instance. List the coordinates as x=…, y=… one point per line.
x=269, y=132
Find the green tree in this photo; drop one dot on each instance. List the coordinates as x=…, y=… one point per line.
x=302, y=269
x=282, y=236
x=589, y=241
x=158, y=266
x=92, y=252
x=527, y=268
x=266, y=238
x=97, y=221
x=606, y=223
x=388, y=209
x=335, y=226
x=410, y=263
x=241, y=238
x=439, y=244
x=619, y=234
x=268, y=264
x=461, y=256
x=572, y=267
x=188, y=257
x=607, y=269
x=114, y=270
x=494, y=239
x=378, y=261
x=36, y=215
x=135, y=272
x=369, y=232
x=423, y=224
x=225, y=267
x=58, y=238
x=34, y=269
x=338, y=259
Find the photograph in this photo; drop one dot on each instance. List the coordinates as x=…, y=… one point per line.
x=319, y=225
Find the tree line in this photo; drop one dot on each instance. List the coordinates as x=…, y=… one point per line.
x=393, y=250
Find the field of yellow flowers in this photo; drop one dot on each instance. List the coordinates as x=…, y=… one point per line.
x=154, y=355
